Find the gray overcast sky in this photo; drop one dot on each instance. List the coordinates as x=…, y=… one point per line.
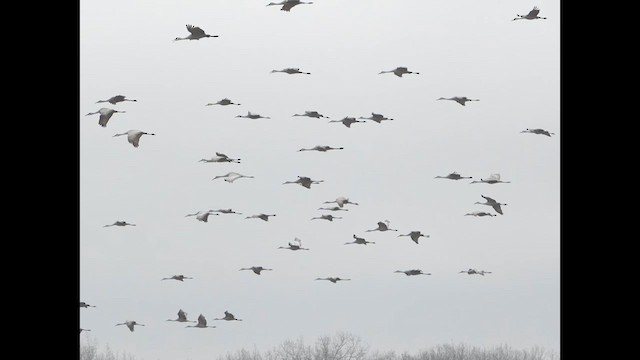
x=460, y=48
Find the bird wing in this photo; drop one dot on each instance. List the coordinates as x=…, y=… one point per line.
x=182, y=315
x=489, y=200
x=222, y=155
x=534, y=12
x=497, y=208
x=201, y=320
x=402, y=69
x=196, y=31
x=104, y=119
x=494, y=177
x=130, y=326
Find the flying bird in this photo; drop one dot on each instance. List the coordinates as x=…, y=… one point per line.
x=223, y=102
x=130, y=324
x=226, y=211
x=228, y=317
x=376, y=117
x=81, y=330
x=321, y=148
x=85, y=305
x=264, y=217
x=115, y=99
x=532, y=15
x=202, y=323
x=382, y=226
x=120, y=223
x=334, y=208
x=412, y=272
x=347, y=121
x=220, y=157
x=232, y=176
x=532, y=131
x=326, y=217
x=460, y=100
x=252, y=116
x=177, y=277
x=492, y=179
x=203, y=215
x=182, y=317
x=415, y=236
x=341, y=201
x=475, y=272
x=479, y=213
x=287, y=5
x=133, y=136
x=303, y=181
x=196, y=33
x=105, y=115
x=256, y=269
x=311, y=114
x=290, y=71
x=294, y=247
x=333, y=279
x=491, y=202
x=453, y=176
x=359, y=240
x=399, y=71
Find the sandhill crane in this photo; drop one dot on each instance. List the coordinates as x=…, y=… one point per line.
x=85, y=305
x=334, y=208
x=532, y=15
x=115, y=99
x=399, y=71
x=382, y=226
x=479, y=213
x=252, y=116
x=232, y=176
x=81, y=330
x=120, y=223
x=460, y=100
x=203, y=215
x=256, y=269
x=532, y=131
x=177, y=277
x=347, y=121
x=311, y=114
x=341, y=201
x=376, y=117
x=182, y=317
x=228, y=317
x=287, y=5
x=226, y=211
x=294, y=247
x=105, y=115
x=494, y=204
x=412, y=272
x=415, y=236
x=492, y=179
x=133, y=136
x=333, y=279
x=202, y=323
x=453, y=176
x=290, y=71
x=223, y=102
x=220, y=157
x=326, y=217
x=321, y=148
x=196, y=33
x=359, y=240
x=474, y=272
x=264, y=217
x=304, y=181
x=130, y=324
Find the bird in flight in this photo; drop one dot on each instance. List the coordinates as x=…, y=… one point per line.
x=130, y=324
x=264, y=217
x=297, y=246
x=359, y=240
x=85, y=305
x=287, y=5
x=232, y=176
x=326, y=217
x=479, y=213
x=341, y=201
x=228, y=317
x=115, y=99
x=196, y=33
x=252, y=116
x=475, y=272
x=290, y=71
x=226, y=211
x=202, y=323
x=311, y=114
x=453, y=176
x=177, y=277
x=333, y=279
x=532, y=131
x=415, y=236
x=321, y=148
x=399, y=71
x=491, y=202
x=223, y=102
x=334, y=208
x=376, y=117
x=105, y=115
x=120, y=223
x=203, y=215
x=220, y=157
x=382, y=226
x=256, y=269
x=303, y=181
x=182, y=317
x=412, y=272
x=347, y=121
x=492, y=179
x=532, y=15
x=460, y=100
x=133, y=136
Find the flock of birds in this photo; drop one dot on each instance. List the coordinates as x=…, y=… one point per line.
x=134, y=136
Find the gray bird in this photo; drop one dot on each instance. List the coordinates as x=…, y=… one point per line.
x=105, y=115
x=415, y=236
x=532, y=15
x=202, y=323
x=382, y=226
x=264, y=217
x=359, y=240
x=347, y=121
x=290, y=71
x=412, y=272
x=491, y=202
x=287, y=5
x=256, y=269
x=376, y=117
x=460, y=100
x=196, y=33
x=177, y=277
x=223, y=102
x=399, y=71
x=311, y=114
x=326, y=217
x=115, y=99
x=333, y=279
x=304, y=181
x=182, y=317
x=453, y=176
x=120, y=223
x=130, y=324
x=228, y=317
x=532, y=131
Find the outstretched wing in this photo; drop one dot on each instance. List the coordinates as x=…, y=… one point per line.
x=195, y=31
x=221, y=155
x=494, y=177
x=202, y=321
x=402, y=69
x=182, y=316
x=104, y=119
x=534, y=12
x=497, y=208
x=490, y=200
